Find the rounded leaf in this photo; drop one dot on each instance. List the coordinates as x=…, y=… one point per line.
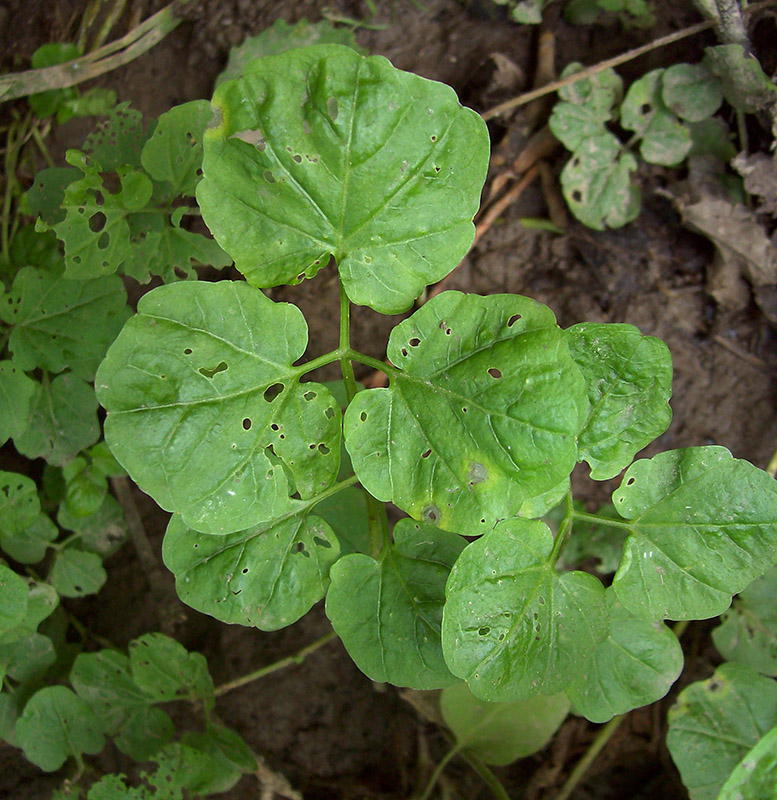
x=480, y=416
x=267, y=576
x=13, y=599
x=393, y=631
x=56, y=724
x=691, y=91
x=512, y=626
x=16, y=390
x=320, y=151
x=76, y=573
x=634, y=666
x=714, y=723
x=19, y=503
x=500, y=733
x=755, y=777
x=703, y=525
x=202, y=377
x=629, y=382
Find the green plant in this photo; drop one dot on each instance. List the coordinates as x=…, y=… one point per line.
x=636, y=13
x=670, y=114
x=313, y=156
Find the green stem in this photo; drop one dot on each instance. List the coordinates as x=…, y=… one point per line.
x=599, y=520
x=317, y=363
x=296, y=658
x=376, y=511
x=486, y=775
x=582, y=766
x=438, y=770
x=564, y=529
x=369, y=361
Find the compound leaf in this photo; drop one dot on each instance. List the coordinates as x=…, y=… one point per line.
x=202, y=378
x=267, y=576
x=755, y=777
x=572, y=124
x=702, y=527
x=63, y=420
x=164, y=670
x=173, y=153
x=597, y=186
x=691, y=92
x=634, y=666
x=512, y=626
x=61, y=323
x=393, y=632
x=500, y=733
x=281, y=36
x=748, y=633
x=76, y=573
x=322, y=152
x=481, y=413
x=19, y=503
x=629, y=381
x=714, y=723
x=16, y=390
x=56, y=724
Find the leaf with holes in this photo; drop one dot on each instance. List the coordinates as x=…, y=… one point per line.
x=634, y=666
x=16, y=391
x=703, y=525
x=61, y=323
x=597, y=185
x=629, y=379
x=512, y=626
x=755, y=777
x=714, y=723
x=320, y=152
x=173, y=153
x=393, y=632
x=76, y=573
x=481, y=413
x=119, y=139
x=165, y=670
x=19, y=503
x=202, y=377
x=56, y=724
x=748, y=633
x=664, y=139
x=500, y=733
x=63, y=420
x=268, y=576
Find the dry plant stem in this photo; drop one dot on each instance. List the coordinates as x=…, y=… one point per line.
x=112, y=17
x=273, y=783
x=164, y=596
x=541, y=144
x=494, y=212
x=98, y=62
x=295, y=658
x=557, y=208
x=749, y=358
x=527, y=97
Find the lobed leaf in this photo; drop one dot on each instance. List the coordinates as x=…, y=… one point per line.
x=267, y=576
x=202, y=377
x=634, y=666
x=321, y=152
x=748, y=632
x=513, y=627
x=629, y=381
x=714, y=724
x=16, y=390
x=63, y=420
x=702, y=527
x=481, y=413
x=56, y=724
x=597, y=186
x=500, y=733
x=393, y=632
x=60, y=323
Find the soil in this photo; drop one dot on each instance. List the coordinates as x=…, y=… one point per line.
x=323, y=725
